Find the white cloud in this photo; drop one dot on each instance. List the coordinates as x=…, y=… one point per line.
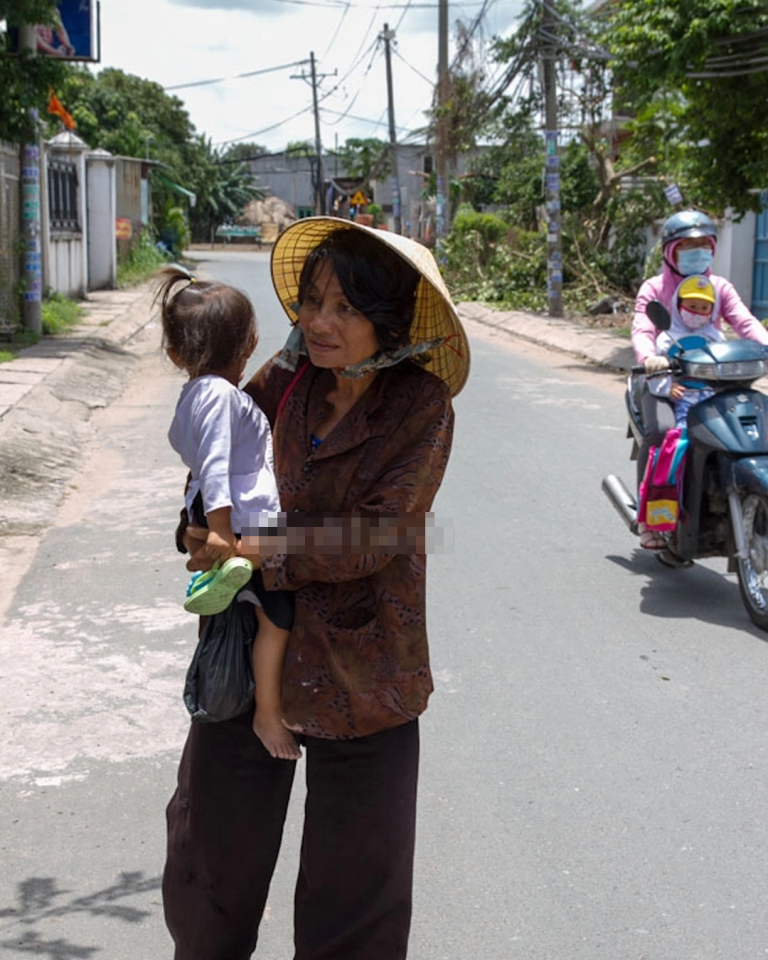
x=177, y=42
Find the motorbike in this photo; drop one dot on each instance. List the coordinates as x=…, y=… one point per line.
x=724, y=503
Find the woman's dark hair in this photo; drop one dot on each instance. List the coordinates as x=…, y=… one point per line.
x=376, y=281
x=207, y=325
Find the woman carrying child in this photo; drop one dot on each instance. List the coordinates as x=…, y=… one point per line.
x=360, y=405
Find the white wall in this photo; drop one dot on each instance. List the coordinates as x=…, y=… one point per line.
x=735, y=253
x=102, y=211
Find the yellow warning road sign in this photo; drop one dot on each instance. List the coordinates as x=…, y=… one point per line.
x=359, y=199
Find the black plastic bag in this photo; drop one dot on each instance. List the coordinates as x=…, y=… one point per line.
x=219, y=683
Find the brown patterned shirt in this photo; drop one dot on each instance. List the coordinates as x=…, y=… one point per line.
x=357, y=659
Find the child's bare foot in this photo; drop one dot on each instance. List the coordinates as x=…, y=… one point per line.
x=276, y=738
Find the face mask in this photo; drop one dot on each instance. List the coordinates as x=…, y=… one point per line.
x=693, y=261
x=695, y=321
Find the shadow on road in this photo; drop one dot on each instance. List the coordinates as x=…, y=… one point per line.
x=697, y=593
x=39, y=899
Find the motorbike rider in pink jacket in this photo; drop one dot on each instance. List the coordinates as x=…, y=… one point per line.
x=688, y=243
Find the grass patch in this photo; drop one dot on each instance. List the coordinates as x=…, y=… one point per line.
x=142, y=263
x=25, y=338
x=59, y=313
x=21, y=338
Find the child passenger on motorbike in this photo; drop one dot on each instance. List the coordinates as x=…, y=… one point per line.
x=692, y=312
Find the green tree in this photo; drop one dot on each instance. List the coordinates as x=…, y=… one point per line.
x=602, y=219
x=367, y=158
x=242, y=152
x=701, y=97
x=300, y=148
x=512, y=165
x=223, y=189
x=134, y=117
x=24, y=78
x=130, y=116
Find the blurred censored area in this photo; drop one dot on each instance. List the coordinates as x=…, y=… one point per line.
x=349, y=533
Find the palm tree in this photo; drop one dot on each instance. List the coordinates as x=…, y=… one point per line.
x=224, y=186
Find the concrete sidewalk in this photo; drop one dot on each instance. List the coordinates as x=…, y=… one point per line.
x=47, y=394
x=110, y=317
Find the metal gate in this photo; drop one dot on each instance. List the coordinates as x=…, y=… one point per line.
x=760, y=267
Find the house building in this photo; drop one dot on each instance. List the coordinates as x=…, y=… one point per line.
x=292, y=179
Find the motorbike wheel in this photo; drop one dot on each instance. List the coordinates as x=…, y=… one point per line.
x=753, y=572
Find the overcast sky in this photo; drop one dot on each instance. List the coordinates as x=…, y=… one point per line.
x=176, y=42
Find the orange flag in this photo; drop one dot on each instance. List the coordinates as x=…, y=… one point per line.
x=55, y=107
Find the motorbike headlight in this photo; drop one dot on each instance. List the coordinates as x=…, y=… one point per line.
x=741, y=370
x=733, y=370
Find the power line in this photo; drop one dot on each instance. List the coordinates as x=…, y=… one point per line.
x=738, y=62
x=411, y=67
x=239, y=76
x=373, y=49
x=466, y=39
x=406, y=8
x=336, y=32
x=258, y=133
x=377, y=7
x=375, y=123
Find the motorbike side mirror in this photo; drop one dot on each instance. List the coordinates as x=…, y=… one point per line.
x=658, y=314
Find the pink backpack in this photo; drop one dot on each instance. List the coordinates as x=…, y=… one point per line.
x=660, y=491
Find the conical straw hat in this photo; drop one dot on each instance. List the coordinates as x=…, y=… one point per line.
x=435, y=316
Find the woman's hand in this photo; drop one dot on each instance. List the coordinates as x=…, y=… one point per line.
x=656, y=364
x=195, y=540
x=220, y=548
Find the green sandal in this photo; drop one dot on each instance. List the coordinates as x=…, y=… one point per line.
x=213, y=591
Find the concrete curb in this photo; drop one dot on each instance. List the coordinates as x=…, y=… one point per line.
x=601, y=347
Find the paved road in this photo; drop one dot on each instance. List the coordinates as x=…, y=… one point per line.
x=594, y=756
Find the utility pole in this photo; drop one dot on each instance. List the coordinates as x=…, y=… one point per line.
x=552, y=168
x=441, y=226
x=320, y=169
x=389, y=35
x=320, y=181
x=32, y=263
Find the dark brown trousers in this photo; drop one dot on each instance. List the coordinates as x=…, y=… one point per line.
x=225, y=824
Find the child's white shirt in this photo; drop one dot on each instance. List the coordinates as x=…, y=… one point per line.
x=224, y=439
